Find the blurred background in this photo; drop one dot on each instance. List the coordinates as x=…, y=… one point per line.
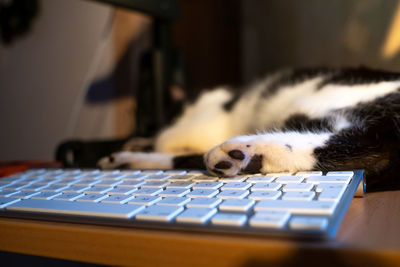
x=74, y=69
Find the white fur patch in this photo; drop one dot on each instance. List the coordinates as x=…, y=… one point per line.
x=202, y=126
x=281, y=152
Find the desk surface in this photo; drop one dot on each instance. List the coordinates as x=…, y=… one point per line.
x=369, y=235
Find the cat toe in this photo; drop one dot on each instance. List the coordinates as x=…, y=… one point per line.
x=224, y=165
x=237, y=154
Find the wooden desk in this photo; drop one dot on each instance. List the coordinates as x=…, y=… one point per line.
x=369, y=236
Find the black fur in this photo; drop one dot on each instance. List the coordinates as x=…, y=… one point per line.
x=373, y=146
x=296, y=76
x=356, y=76
x=254, y=165
x=300, y=122
x=189, y=162
x=228, y=106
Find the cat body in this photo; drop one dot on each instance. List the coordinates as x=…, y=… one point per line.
x=295, y=120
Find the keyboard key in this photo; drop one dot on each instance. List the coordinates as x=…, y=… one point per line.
x=229, y=219
x=196, y=215
x=152, y=172
x=202, y=193
x=155, y=184
x=186, y=185
x=204, y=202
x=266, y=187
x=197, y=172
x=24, y=194
x=6, y=201
x=48, y=181
x=98, y=190
x=8, y=192
x=129, y=172
x=184, y=178
x=133, y=177
x=330, y=195
x=54, y=188
x=68, y=196
x=109, y=183
x=157, y=178
x=174, y=192
x=89, y=182
x=112, y=177
x=341, y=173
x=67, y=182
x=208, y=185
x=92, y=198
x=144, y=200
x=76, y=208
x=147, y=192
x=76, y=189
x=174, y=201
x=10, y=180
x=308, y=223
x=226, y=194
x=241, y=205
x=46, y=195
x=122, y=190
x=309, y=174
x=260, y=179
x=175, y=172
x=159, y=213
x=297, y=187
x=117, y=199
x=289, y=179
x=236, y=186
x=259, y=195
x=131, y=183
x=298, y=195
x=297, y=206
x=233, y=179
x=330, y=186
x=268, y=220
x=92, y=175
x=204, y=178
x=328, y=179
x=15, y=186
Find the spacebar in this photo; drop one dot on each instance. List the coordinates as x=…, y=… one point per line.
x=106, y=210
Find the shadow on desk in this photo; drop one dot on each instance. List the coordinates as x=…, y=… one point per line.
x=15, y=259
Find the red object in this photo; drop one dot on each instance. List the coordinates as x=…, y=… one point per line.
x=13, y=167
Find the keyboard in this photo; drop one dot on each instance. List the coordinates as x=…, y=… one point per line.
x=305, y=204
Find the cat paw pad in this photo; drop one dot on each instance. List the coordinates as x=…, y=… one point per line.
x=229, y=158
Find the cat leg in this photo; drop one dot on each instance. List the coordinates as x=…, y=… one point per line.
x=143, y=160
x=136, y=160
x=270, y=152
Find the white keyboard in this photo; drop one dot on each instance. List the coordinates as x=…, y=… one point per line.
x=305, y=204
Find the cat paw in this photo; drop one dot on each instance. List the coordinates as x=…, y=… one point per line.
x=119, y=160
x=136, y=160
x=233, y=157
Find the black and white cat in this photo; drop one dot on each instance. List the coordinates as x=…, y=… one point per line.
x=324, y=119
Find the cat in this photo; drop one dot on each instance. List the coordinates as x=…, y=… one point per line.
x=293, y=120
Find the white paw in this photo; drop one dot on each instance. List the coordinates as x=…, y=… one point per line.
x=232, y=157
x=136, y=160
